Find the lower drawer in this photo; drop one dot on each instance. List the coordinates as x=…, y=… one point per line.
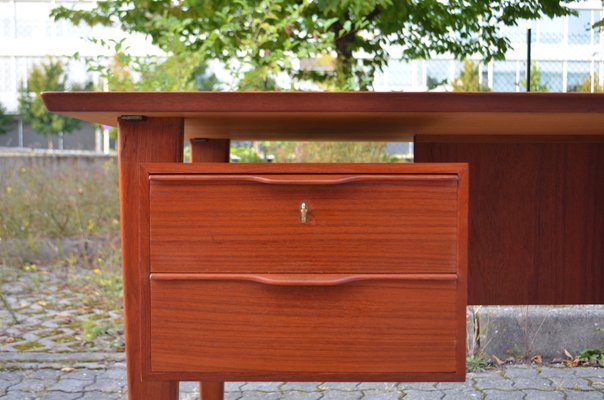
x=297, y=327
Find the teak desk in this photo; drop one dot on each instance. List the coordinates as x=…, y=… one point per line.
x=536, y=220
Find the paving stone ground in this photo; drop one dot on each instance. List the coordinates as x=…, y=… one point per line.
x=102, y=376
x=54, y=309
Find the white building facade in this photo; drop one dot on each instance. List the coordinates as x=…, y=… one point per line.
x=566, y=51
x=29, y=36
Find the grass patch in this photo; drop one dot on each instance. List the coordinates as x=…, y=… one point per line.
x=63, y=339
x=59, y=233
x=58, y=201
x=477, y=363
x=29, y=346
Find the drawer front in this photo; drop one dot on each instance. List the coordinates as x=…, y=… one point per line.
x=268, y=327
x=354, y=224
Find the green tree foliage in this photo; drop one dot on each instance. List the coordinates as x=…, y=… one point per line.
x=5, y=120
x=586, y=87
x=326, y=151
x=179, y=71
x=258, y=39
x=468, y=79
x=332, y=152
x=536, y=84
x=49, y=76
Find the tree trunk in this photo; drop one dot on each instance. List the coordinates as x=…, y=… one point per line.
x=344, y=60
x=343, y=45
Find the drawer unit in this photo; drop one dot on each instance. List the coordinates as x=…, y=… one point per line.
x=304, y=272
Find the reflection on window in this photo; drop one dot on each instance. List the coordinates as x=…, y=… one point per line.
x=551, y=30
x=457, y=67
x=6, y=82
x=437, y=73
x=596, y=33
x=551, y=75
x=5, y=30
x=516, y=34
x=400, y=73
x=579, y=27
x=32, y=20
x=578, y=76
x=504, y=76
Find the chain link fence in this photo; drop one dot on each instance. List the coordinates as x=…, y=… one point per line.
x=498, y=76
x=567, y=56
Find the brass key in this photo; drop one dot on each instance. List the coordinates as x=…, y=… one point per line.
x=303, y=212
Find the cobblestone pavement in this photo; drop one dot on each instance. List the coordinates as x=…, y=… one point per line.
x=101, y=376
x=58, y=310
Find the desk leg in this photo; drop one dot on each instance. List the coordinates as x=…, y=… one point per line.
x=212, y=150
x=211, y=390
x=148, y=140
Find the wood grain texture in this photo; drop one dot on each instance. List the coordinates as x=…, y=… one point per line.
x=253, y=298
x=211, y=390
x=536, y=218
x=158, y=140
x=381, y=224
x=141, y=102
x=210, y=150
x=462, y=259
x=302, y=279
x=238, y=329
x=344, y=116
x=305, y=168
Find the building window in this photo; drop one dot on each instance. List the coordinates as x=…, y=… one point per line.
x=578, y=76
x=5, y=24
x=437, y=73
x=504, y=76
x=6, y=82
x=400, y=73
x=551, y=30
x=597, y=16
x=516, y=34
x=6, y=20
x=579, y=27
x=32, y=20
x=551, y=75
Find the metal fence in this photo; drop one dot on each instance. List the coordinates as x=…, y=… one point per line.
x=498, y=76
x=567, y=56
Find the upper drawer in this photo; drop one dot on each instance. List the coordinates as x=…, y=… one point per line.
x=303, y=223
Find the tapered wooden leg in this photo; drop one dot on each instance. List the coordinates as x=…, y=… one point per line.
x=141, y=140
x=212, y=150
x=211, y=390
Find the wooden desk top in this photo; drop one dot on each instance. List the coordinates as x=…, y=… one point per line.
x=390, y=116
